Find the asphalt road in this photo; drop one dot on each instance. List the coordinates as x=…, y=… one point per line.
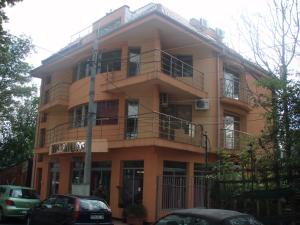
x=14, y=222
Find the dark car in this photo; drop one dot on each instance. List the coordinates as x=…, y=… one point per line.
x=70, y=210
x=199, y=216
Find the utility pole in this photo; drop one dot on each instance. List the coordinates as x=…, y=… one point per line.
x=90, y=122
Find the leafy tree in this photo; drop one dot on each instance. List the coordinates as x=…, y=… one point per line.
x=18, y=134
x=18, y=108
x=274, y=41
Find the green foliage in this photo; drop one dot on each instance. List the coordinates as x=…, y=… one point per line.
x=17, y=134
x=3, y=17
x=135, y=210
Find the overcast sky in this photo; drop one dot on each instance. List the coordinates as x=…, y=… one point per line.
x=51, y=23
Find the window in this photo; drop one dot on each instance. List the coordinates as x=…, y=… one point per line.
x=46, y=97
x=42, y=137
x=44, y=117
x=134, y=60
x=77, y=173
x=109, y=61
x=109, y=27
x=231, y=85
x=231, y=131
x=133, y=179
x=182, y=220
x=47, y=80
x=83, y=69
x=131, y=122
x=23, y=193
x=107, y=112
x=54, y=178
x=179, y=66
x=79, y=116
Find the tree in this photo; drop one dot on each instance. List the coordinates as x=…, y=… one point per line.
x=18, y=108
x=18, y=134
x=274, y=42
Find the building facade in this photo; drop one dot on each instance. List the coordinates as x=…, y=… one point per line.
x=163, y=85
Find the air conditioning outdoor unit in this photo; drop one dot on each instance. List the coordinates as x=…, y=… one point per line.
x=164, y=99
x=202, y=104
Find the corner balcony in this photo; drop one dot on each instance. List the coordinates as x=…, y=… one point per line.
x=150, y=129
x=55, y=96
x=157, y=67
x=234, y=141
x=236, y=94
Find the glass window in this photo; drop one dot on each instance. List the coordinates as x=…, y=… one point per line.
x=23, y=193
x=109, y=27
x=109, y=61
x=231, y=85
x=42, y=137
x=107, y=112
x=77, y=173
x=79, y=116
x=243, y=220
x=132, y=119
x=49, y=202
x=92, y=205
x=54, y=178
x=179, y=66
x=133, y=178
x=182, y=220
x=134, y=60
x=231, y=131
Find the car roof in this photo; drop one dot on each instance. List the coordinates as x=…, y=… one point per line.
x=212, y=214
x=15, y=186
x=79, y=196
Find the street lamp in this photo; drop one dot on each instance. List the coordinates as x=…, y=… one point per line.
x=250, y=151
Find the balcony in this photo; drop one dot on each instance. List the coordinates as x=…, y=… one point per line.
x=235, y=140
x=235, y=93
x=57, y=95
x=150, y=129
x=157, y=67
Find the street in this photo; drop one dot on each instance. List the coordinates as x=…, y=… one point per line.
x=13, y=222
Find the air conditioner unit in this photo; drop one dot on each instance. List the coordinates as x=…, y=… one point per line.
x=220, y=32
x=202, y=104
x=203, y=22
x=164, y=99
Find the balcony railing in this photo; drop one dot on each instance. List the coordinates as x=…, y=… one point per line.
x=234, y=89
x=236, y=140
x=142, y=126
x=154, y=61
x=59, y=92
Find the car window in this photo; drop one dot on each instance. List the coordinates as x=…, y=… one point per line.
x=243, y=220
x=92, y=205
x=61, y=202
x=182, y=220
x=23, y=193
x=48, y=203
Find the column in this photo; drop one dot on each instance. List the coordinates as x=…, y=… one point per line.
x=190, y=185
x=116, y=173
x=64, y=174
x=45, y=179
x=155, y=108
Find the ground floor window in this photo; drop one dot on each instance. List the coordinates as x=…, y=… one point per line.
x=54, y=178
x=132, y=187
x=174, y=185
x=100, y=179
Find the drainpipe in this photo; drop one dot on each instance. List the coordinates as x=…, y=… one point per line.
x=218, y=105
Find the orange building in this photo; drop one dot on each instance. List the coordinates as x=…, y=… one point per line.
x=162, y=85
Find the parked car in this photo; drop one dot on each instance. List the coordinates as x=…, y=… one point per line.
x=199, y=216
x=70, y=210
x=15, y=201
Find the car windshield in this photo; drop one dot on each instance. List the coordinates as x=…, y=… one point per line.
x=243, y=220
x=92, y=205
x=23, y=193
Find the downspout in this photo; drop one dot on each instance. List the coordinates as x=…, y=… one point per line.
x=218, y=105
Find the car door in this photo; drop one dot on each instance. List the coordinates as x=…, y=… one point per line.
x=41, y=214
x=61, y=212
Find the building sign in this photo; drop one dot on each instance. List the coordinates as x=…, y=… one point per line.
x=67, y=147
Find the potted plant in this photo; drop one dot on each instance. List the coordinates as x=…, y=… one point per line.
x=135, y=214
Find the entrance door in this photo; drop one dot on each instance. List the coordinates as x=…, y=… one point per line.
x=54, y=178
x=101, y=173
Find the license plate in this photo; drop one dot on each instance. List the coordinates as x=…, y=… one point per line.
x=97, y=217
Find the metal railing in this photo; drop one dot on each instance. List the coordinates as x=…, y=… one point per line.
x=234, y=89
x=150, y=63
x=148, y=125
x=58, y=92
x=235, y=139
